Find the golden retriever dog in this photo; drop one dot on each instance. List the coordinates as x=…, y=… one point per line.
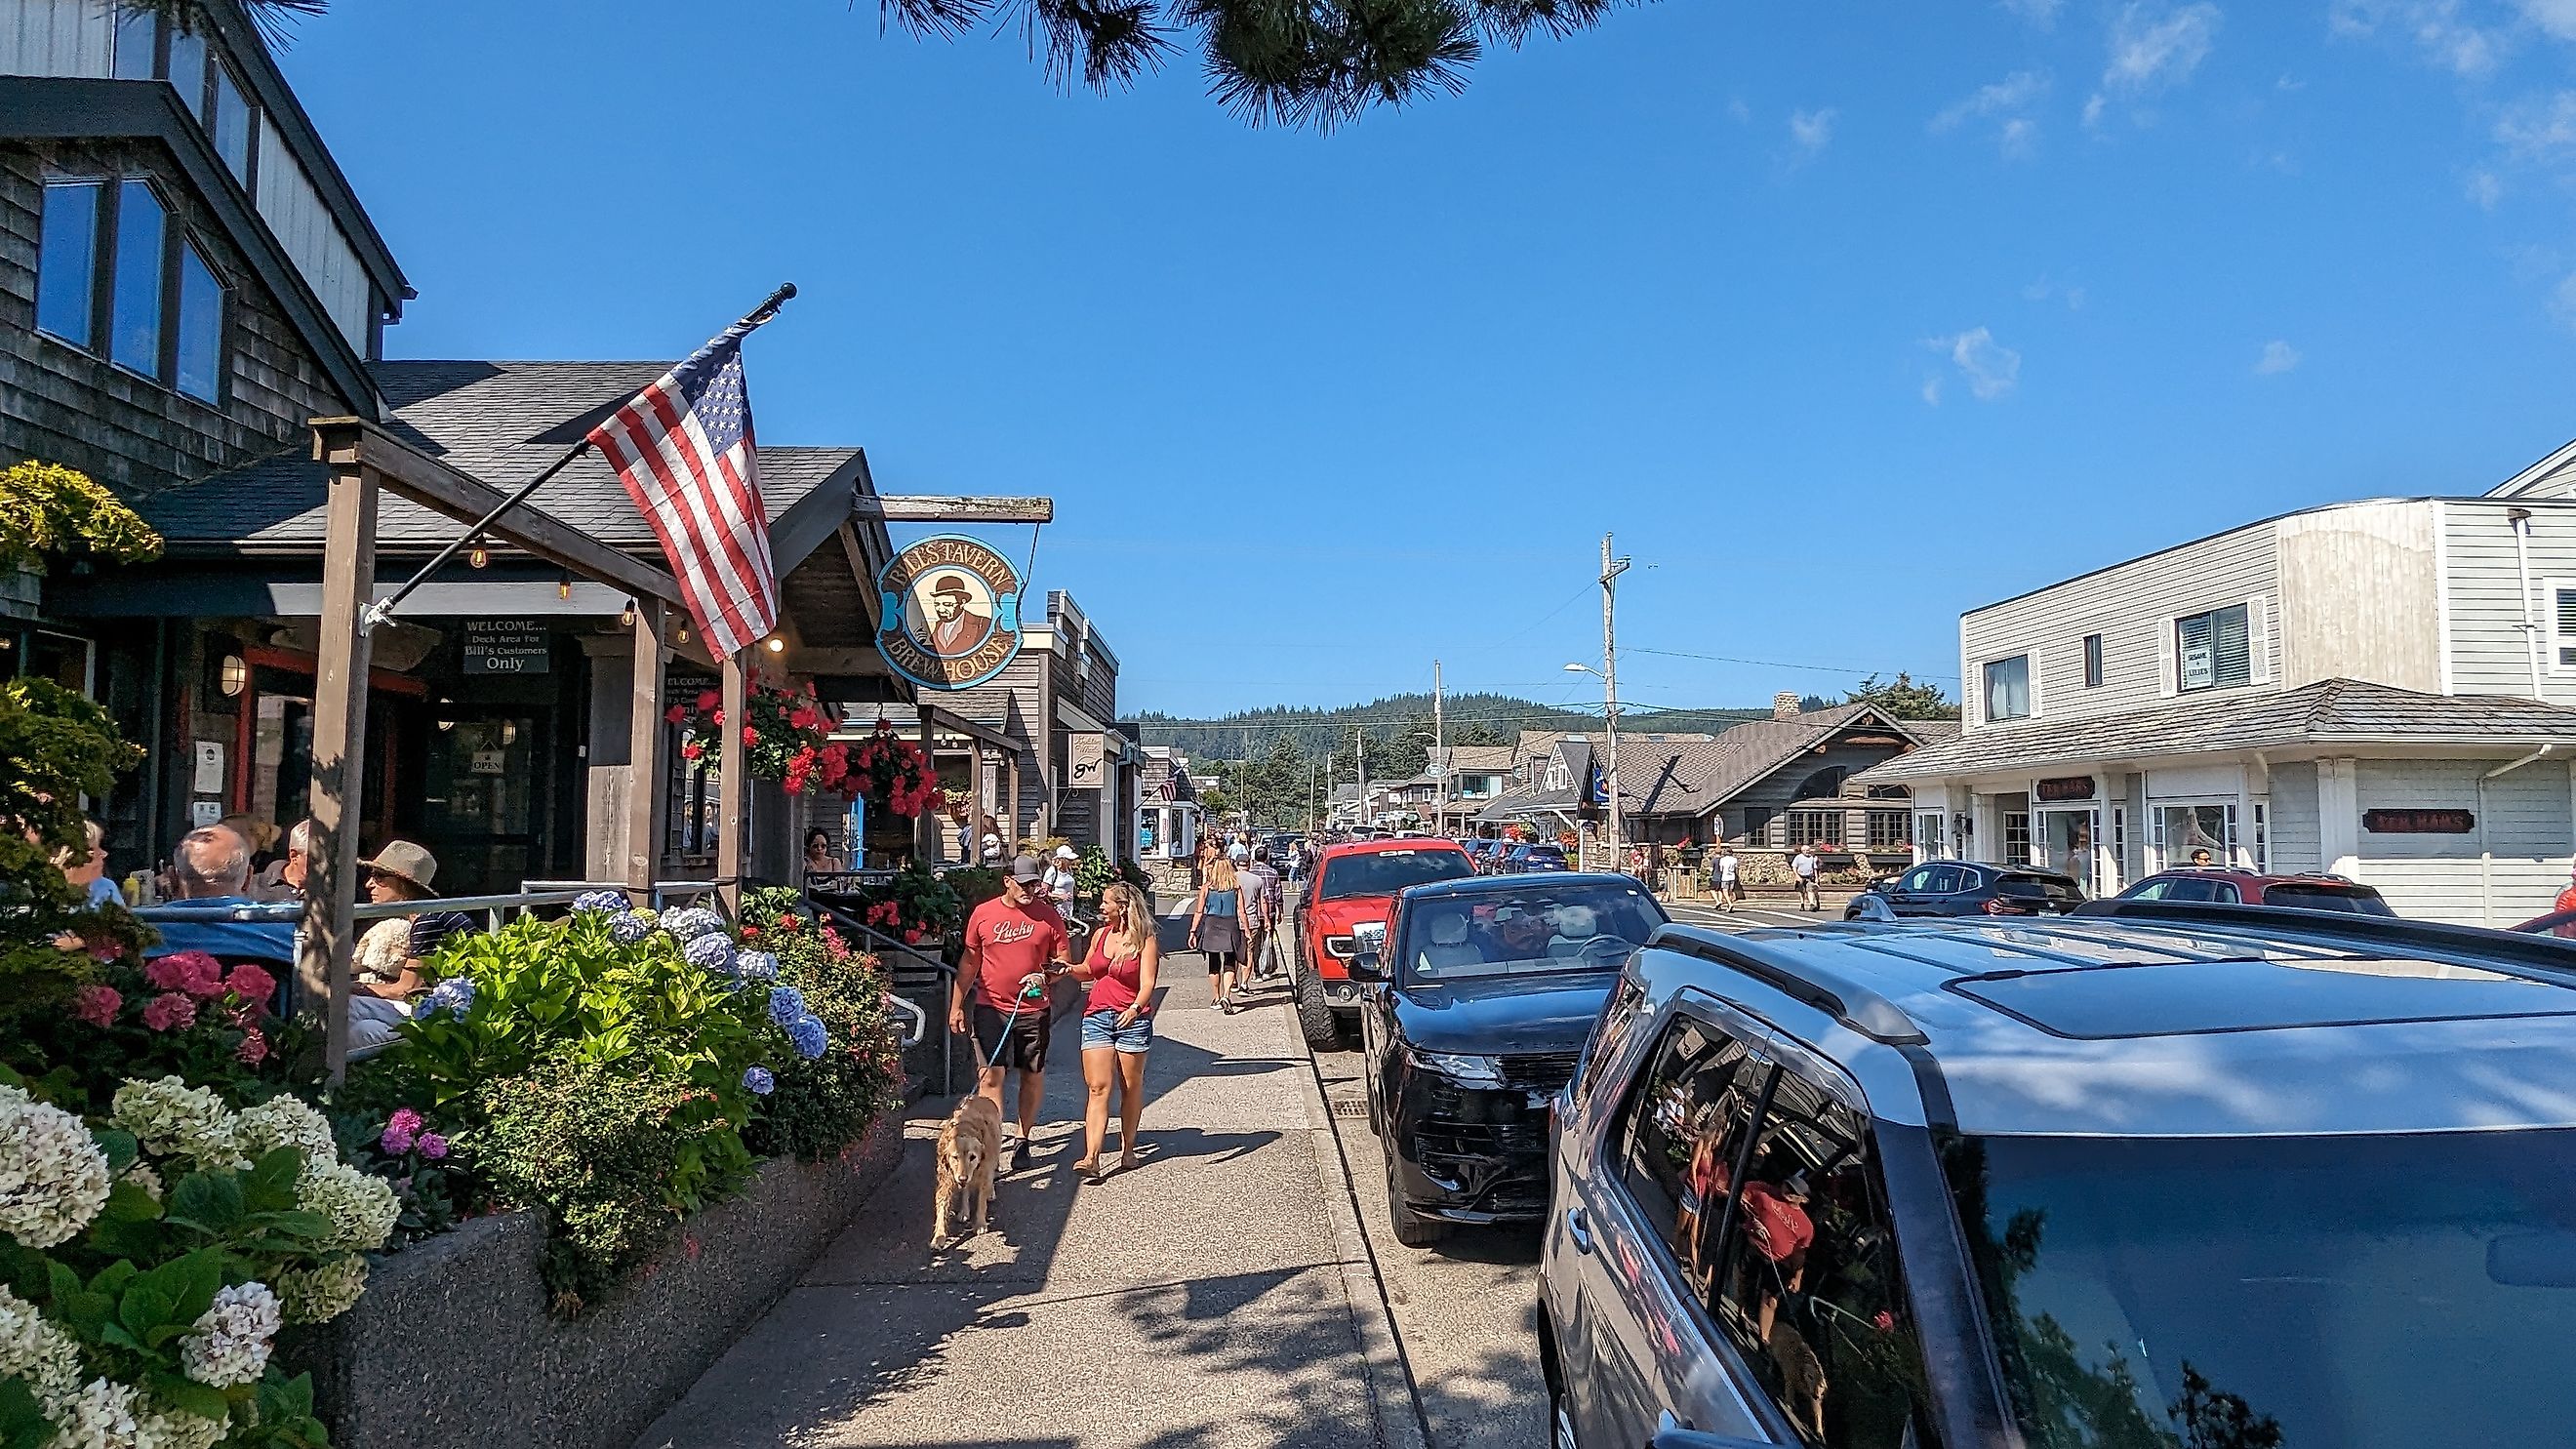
x=970, y=1147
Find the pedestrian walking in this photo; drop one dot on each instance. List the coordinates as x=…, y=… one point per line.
x=1261, y=902
x=1724, y=874
x=1216, y=922
x=1014, y=943
x=1803, y=866
x=1061, y=877
x=1117, y=1022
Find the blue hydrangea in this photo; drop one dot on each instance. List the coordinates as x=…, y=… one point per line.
x=755, y=966
x=711, y=953
x=809, y=1036
x=626, y=928
x=693, y=923
x=455, y=994
x=607, y=902
x=786, y=1004
x=758, y=1081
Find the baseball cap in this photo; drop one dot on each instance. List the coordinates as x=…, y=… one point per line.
x=1026, y=869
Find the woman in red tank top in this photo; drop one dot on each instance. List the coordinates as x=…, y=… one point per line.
x=1117, y=1021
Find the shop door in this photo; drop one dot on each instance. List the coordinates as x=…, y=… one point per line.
x=2066, y=845
x=483, y=814
x=274, y=771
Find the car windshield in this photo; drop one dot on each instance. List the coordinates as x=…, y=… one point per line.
x=2353, y=1292
x=1591, y=926
x=1384, y=872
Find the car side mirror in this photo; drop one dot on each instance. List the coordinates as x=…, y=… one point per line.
x=1367, y=966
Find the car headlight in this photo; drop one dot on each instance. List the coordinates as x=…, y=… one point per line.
x=1340, y=948
x=1464, y=1068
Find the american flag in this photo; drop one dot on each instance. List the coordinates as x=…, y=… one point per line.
x=683, y=449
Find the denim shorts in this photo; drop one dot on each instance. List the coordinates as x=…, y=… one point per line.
x=1101, y=1031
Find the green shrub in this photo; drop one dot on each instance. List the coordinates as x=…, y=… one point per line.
x=822, y=1106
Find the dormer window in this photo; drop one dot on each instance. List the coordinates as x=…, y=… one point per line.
x=148, y=50
x=116, y=275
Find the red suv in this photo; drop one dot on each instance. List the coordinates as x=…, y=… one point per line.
x=1348, y=896
x=2244, y=887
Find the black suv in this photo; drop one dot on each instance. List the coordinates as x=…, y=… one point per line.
x=2191, y=1175
x=1966, y=888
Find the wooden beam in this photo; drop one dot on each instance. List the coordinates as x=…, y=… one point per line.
x=850, y=663
x=644, y=755
x=339, y=754
x=433, y=485
x=936, y=508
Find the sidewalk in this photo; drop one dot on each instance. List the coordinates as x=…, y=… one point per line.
x=1198, y=1301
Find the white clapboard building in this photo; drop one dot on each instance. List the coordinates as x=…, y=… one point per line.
x=2385, y=690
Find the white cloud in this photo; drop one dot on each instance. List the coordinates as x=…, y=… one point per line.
x=1991, y=369
x=2008, y=99
x=2278, y=357
x=2562, y=301
x=1810, y=132
x=1932, y=390
x=2093, y=109
x=2539, y=128
x=2556, y=17
x=2484, y=188
x=1737, y=111
x=2154, y=47
x=2045, y=290
x=2456, y=45
x=2042, y=13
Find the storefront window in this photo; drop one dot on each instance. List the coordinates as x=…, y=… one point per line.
x=2190, y=835
x=1929, y=837
x=2066, y=844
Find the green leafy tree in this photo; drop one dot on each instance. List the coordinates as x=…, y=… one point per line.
x=1317, y=63
x=1903, y=698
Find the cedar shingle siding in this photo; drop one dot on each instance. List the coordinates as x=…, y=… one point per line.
x=64, y=405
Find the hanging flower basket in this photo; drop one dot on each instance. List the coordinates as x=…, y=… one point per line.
x=787, y=737
x=893, y=774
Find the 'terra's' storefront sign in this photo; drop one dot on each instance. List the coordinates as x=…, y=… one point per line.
x=952, y=613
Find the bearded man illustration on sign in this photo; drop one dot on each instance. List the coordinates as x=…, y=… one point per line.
x=954, y=627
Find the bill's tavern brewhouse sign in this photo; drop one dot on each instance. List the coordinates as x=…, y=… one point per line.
x=952, y=613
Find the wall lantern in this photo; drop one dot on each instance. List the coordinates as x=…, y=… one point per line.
x=235, y=676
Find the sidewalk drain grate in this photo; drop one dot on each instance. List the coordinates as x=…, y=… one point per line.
x=1354, y=1108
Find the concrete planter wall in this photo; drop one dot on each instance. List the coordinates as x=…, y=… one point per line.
x=452, y=1347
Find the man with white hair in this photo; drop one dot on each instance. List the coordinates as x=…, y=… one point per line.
x=284, y=878
x=210, y=870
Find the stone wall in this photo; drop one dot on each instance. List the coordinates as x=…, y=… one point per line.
x=452, y=1347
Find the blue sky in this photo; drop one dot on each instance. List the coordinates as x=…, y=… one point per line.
x=1843, y=316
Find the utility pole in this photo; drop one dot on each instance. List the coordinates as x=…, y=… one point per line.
x=1359, y=754
x=1310, y=797
x=1440, y=742
x=1610, y=570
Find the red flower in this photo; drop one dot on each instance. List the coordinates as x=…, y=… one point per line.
x=750, y=736
x=912, y=936
x=677, y=714
x=719, y=716
x=787, y=923
x=1885, y=1322
x=169, y=1011
x=253, y=1049
x=691, y=750
x=193, y=972
x=104, y=948
x=250, y=983
x=805, y=717
x=97, y=1005
x=709, y=699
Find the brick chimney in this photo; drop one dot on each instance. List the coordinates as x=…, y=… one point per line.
x=1784, y=705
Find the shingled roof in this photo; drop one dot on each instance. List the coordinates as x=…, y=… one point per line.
x=500, y=422
x=2329, y=712
x=1695, y=779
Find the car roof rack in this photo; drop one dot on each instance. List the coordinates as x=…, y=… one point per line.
x=1849, y=1002
x=2378, y=935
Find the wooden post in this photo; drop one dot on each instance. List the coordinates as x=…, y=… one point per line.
x=925, y=828
x=339, y=755
x=1011, y=829
x=644, y=756
x=734, y=772
x=975, y=794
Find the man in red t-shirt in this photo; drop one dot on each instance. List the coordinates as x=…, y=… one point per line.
x=2567, y=897
x=1014, y=943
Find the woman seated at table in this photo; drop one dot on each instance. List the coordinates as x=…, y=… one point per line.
x=387, y=963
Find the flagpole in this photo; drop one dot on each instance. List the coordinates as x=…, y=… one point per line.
x=377, y=613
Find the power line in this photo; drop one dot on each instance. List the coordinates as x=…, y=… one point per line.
x=1783, y=664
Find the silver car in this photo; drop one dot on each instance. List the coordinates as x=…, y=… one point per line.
x=2186, y=1176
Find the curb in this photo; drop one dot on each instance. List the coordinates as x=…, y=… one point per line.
x=1402, y=1424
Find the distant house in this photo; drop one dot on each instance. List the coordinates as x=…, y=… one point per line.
x=1778, y=783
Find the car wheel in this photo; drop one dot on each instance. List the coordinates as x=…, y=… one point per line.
x=1315, y=1015
x=1412, y=1229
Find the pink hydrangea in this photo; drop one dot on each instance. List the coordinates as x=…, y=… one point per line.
x=193, y=972
x=98, y=1005
x=253, y=1049
x=170, y=1011
x=250, y=983
x=432, y=1146
x=400, y=1132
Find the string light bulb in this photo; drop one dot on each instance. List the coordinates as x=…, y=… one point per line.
x=626, y=616
x=563, y=587
x=777, y=645
x=479, y=556
x=682, y=637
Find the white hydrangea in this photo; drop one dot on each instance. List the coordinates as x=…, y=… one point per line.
x=99, y=1415
x=362, y=1209
x=285, y=1122
x=323, y=1292
x=171, y=1118
x=34, y=1350
x=229, y=1342
x=176, y=1429
x=140, y=1173
x=53, y=1178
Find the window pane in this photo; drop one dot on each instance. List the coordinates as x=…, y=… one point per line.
x=231, y=125
x=2092, y=661
x=2231, y=647
x=1810, y=1293
x=137, y=31
x=2008, y=688
x=1686, y=1128
x=67, y=259
x=188, y=69
x=135, y=337
x=201, y=327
